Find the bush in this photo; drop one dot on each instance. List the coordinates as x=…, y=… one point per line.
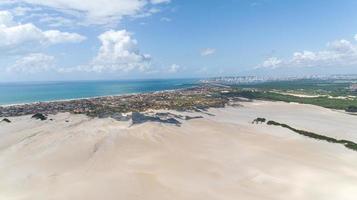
x=346, y=143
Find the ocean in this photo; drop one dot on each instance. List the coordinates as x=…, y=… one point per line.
x=30, y=92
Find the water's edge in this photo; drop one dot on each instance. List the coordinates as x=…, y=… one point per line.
x=28, y=93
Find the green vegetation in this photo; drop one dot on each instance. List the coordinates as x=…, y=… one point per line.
x=325, y=92
x=39, y=116
x=259, y=120
x=324, y=101
x=351, y=109
x=348, y=144
x=308, y=86
x=6, y=120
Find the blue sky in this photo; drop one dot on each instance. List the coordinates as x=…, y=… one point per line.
x=124, y=39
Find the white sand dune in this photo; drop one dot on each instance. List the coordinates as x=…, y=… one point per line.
x=218, y=157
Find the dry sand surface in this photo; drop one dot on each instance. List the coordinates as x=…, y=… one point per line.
x=217, y=157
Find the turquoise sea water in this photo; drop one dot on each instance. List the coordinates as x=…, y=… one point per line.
x=16, y=93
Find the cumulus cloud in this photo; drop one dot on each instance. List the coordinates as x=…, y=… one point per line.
x=207, y=51
x=33, y=63
x=13, y=34
x=272, y=62
x=98, y=11
x=118, y=52
x=337, y=53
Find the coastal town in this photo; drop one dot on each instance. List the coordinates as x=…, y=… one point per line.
x=195, y=99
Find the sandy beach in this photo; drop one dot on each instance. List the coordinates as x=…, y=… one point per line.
x=221, y=156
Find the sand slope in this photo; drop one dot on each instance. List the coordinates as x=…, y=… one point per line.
x=218, y=157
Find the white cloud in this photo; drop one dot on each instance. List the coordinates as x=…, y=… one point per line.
x=272, y=62
x=174, y=68
x=118, y=52
x=33, y=63
x=207, y=51
x=98, y=11
x=56, y=37
x=148, y=13
x=13, y=34
x=19, y=35
x=337, y=53
x=6, y=18
x=160, y=1
x=342, y=46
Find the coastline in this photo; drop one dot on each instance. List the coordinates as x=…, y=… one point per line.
x=198, y=97
x=84, y=98
x=112, y=88
x=193, y=97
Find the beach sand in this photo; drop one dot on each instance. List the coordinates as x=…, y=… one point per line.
x=217, y=157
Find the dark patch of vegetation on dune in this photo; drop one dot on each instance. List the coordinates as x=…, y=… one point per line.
x=259, y=120
x=6, y=120
x=161, y=117
x=39, y=116
x=194, y=117
x=346, y=143
x=139, y=118
x=351, y=109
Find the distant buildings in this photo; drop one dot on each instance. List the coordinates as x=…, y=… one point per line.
x=237, y=80
x=233, y=80
x=353, y=87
